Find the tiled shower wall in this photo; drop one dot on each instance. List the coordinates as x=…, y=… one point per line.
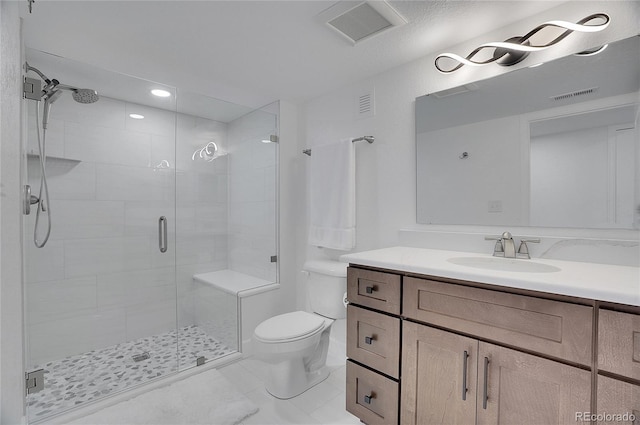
x=101, y=278
x=252, y=195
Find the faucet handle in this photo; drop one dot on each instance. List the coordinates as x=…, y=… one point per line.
x=523, y=250
x=498, y=249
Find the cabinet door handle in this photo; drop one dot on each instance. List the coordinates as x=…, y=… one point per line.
x=370, y=289
x=485, y=391
x=162, y=234
x=465, y=356
x=368, y=398
x=368, y=340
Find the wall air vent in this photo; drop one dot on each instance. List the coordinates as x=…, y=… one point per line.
x=574, y=94
x=365, y=104
x=362, y=21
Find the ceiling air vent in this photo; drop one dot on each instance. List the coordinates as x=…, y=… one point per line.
x=574, y=94
x=362, y=21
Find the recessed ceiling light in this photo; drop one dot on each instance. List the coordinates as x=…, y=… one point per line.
x=160, y=93
x=136, y=116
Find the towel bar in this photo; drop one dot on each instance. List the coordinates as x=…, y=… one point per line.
x=369, y=139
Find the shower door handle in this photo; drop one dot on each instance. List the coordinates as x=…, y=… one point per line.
x=26, y=202
x=162, y=234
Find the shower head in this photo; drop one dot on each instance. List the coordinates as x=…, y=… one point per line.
x=85, y=95
x=81, y=95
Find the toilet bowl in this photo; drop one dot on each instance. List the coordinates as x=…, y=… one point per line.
x=295, y=345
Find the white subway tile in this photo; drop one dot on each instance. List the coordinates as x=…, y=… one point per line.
x=107, y=145
x=107, y=255
x=156, y=121
x=150, y=318
x=60, y=299
x=43, y=264
x=105, y=113
x=114, y=182
x=128, y=288
x=87, y=219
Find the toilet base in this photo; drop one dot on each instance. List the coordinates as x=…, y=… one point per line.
x=290, y=378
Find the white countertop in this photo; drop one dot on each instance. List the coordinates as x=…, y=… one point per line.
x=603, y=282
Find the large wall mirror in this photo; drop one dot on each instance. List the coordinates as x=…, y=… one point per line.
x=555, y=145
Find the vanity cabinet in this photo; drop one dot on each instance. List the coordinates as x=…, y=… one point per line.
x=429, y=350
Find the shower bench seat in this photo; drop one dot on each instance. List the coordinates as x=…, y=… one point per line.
x=255, y=300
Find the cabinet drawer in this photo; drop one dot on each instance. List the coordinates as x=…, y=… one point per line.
x=370, y=396
x=377, y=290
x=618, y=398
x=619, y=343
x=374, y=339
x=555, y=328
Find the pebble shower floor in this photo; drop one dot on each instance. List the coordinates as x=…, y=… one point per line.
x=78, y=379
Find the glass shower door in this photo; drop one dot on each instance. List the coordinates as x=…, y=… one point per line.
x=100, y=295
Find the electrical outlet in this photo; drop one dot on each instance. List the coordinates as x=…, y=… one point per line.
x=495, y=206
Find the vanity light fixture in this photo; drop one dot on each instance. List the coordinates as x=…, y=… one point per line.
x=515, y=49
x=136, y=116
x=592, y=52
x=209, y=152
x=160, y=93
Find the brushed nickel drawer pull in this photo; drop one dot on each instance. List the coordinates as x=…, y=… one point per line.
x=368, y=398
x=369, y=340
x=485, y=395
x=465, y=357
x=370, y=289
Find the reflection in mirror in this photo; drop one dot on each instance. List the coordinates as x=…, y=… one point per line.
x=555, y=145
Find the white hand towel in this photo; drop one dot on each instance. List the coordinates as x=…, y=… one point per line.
x=333, y=196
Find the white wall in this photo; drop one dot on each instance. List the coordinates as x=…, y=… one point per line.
x=386, y=172
x=11, y=360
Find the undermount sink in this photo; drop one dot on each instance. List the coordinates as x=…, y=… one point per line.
x=504, y=264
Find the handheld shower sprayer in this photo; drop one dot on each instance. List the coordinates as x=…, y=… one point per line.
x=51, y=92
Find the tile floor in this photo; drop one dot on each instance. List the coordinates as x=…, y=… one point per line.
x=322, y=404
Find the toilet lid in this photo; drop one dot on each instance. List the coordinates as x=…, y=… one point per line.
x=289, y=326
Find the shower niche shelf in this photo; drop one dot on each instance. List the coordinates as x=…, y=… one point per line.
x=35, y=156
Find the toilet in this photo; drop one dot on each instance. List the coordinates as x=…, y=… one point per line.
x=295, y=344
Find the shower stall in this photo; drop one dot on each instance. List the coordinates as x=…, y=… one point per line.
x=131, y=196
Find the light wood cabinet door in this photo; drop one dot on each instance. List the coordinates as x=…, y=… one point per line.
x=436, y=367
x=518, y=388
x=618, y=402
x=619, y=343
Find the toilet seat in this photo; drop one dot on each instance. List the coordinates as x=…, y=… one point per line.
x=289, y=327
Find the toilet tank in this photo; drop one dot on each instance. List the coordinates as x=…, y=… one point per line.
x=326, y=285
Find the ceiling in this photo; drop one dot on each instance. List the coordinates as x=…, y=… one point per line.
x=252, y=52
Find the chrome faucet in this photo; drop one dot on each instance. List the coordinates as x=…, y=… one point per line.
x=506, y=247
